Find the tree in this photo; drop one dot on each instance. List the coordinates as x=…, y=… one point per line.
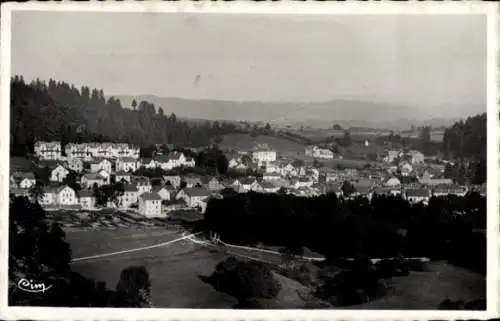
x=337, y=127
x=135, y=286
x=134, y=104
x=348, y=188
x=347, y=138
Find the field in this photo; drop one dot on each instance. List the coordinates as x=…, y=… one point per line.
x=244, y=142
x=425, y=290
x=174, y=271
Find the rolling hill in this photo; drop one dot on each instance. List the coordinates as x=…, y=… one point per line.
x=314, y=114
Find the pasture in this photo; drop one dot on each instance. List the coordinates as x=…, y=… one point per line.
x=245, y=142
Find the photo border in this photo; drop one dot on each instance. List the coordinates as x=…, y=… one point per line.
x=490, y=9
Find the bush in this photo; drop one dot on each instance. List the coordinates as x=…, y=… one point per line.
x=135, y=286
x=243, y=280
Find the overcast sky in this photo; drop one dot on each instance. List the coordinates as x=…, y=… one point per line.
x=412, y=60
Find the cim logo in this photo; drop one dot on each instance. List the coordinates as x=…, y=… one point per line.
x=31, y=286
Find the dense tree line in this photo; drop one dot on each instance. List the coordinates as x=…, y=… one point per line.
x=465, y=143
x=60, y=111
x=383, y=227
x=38, y=251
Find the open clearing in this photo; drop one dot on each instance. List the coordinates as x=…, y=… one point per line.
x=174, y=271
x=245, y=142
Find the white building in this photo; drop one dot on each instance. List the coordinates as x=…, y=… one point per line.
x=88, y=180
x=87, y=199
x=416, y=157
x=23, y=180
x=58, y=174
x=126, y=164
x=418, y=196
x=75, y=164
x=150, y=205
x=88, y=151
x=129, y=197
x=317, y=152
x=263, y=156
x=102, y=164
x=48, y=150
x=195, y=197
x=392, y=181
x=60, y=195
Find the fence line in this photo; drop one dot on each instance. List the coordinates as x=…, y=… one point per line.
x=184, y=237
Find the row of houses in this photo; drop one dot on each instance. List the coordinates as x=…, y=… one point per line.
x=86, y=151
x=413, y=157
x=319, y=152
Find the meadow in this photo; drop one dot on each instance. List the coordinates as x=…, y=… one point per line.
x=174, y=271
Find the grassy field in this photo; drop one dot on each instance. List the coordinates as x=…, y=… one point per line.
x=173, y=269
x=245, y=142
x=425, y=290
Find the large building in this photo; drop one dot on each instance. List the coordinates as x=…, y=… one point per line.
x=48, y=150
x=317, y=152
x=101, y=150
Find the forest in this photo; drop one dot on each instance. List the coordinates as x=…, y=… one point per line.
x=337, y=228
x=60, y=111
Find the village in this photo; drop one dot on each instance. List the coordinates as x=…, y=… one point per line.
x=410, y=174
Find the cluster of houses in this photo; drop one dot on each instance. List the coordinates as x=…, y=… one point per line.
x=155, y=197
x=85, y=151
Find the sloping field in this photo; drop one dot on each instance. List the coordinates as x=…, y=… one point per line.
x=245, y=142
x=425, y=290
x=173, y=269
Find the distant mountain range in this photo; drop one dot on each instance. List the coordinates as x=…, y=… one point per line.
x=313, y=114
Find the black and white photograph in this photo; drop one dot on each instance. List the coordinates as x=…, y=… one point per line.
x=210, y=158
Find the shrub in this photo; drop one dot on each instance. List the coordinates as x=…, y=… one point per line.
x=243, y=280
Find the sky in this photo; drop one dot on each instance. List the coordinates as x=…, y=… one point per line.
x=428, y=61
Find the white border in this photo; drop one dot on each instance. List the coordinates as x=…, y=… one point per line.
x=490, y=9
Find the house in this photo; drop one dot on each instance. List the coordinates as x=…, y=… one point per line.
x=362, y=190
x=88, y=180
x=129, y=197
x=75, y=164
x=270, y=176
x=106, y=177
x=214, y=184
x=65, y=195
x=48, y=196
x=331, y=177
x=405, y=167
x=126, y=164
x=449, y=189
x=272, y=167
x=248, y=183
x=122, y=177
x=173, y=180
x=313, y=173
x=392, y=155
x=233, y=163
x=150, y=205
x=382, y=191
x=195, y=197
x=426, y=180
x=317, y=152
x=178, y=159
x=142, y=183
x=416, y=157
x=48, y=150
x=19, y=192
x=23, y=180
x=302, y=182
x=192, y=181
x=288, y=170
x=392, y=181
x=257, y=187
x=58, y=174
x=263, y=155
x=104, y=164
x=418, y=195
x=87, y=199
x=268, y=187
x=164, y=192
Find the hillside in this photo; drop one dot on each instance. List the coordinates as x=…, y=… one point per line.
x=245, y=142
x=314, y=114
